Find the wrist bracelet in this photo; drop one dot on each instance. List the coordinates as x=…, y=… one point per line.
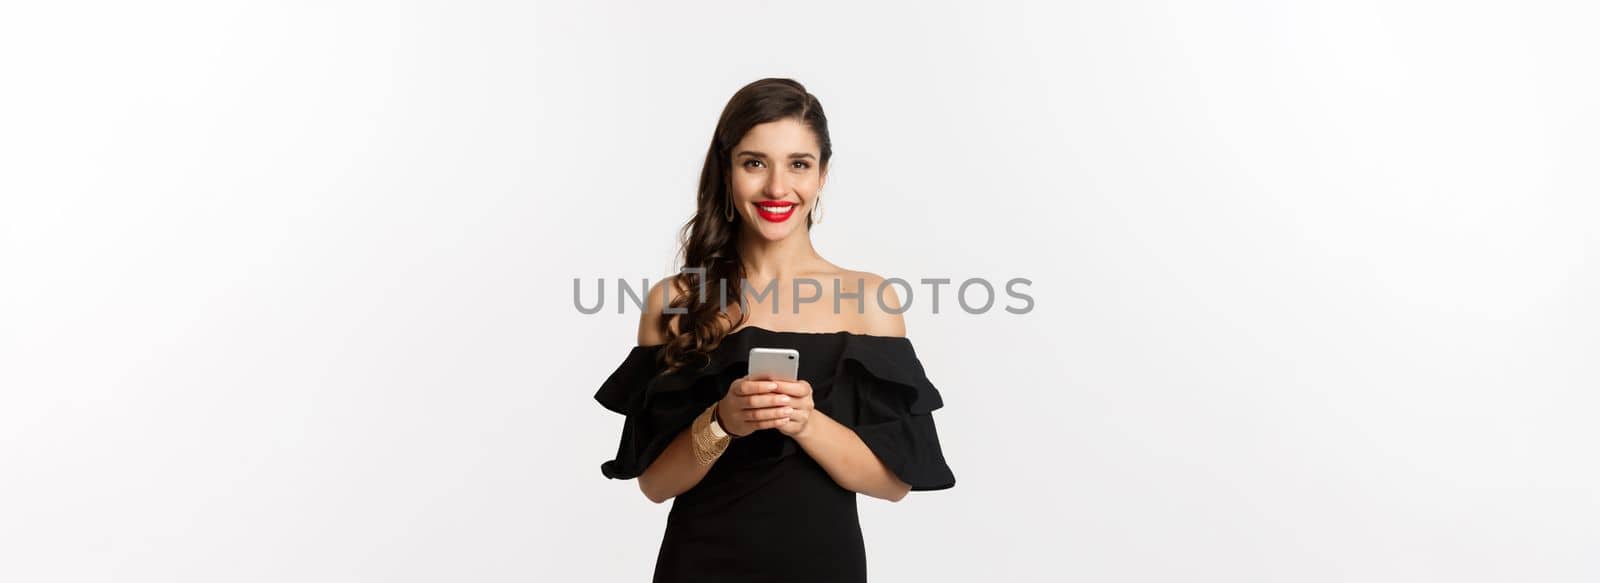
x=706, y=448
x=716, y=415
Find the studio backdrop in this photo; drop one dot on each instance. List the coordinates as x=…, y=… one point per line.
x=287, y=291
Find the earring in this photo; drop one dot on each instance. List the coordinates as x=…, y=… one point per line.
x=816, y=211
x=727, y=210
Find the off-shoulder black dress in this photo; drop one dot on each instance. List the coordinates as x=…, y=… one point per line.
x=766, y=511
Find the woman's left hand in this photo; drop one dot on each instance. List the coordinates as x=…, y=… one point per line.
x=799, y=407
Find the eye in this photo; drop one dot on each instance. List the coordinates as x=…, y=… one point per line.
x=803, y=164
x=747, y=163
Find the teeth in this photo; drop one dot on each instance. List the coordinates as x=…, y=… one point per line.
x=777, y=209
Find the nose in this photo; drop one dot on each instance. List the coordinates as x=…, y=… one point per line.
x=776, y=188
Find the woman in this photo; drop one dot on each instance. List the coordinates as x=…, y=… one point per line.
x=764, y=473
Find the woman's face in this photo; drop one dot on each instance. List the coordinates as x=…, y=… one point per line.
x=775, y=178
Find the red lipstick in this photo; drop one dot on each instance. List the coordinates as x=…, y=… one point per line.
x=775, y=211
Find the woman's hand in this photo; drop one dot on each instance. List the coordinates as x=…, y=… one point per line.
x=799, y=407
x=753, y=404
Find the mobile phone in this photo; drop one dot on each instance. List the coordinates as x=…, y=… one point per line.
x=779, y=363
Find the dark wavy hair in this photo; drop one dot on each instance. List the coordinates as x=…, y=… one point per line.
x=709, y=238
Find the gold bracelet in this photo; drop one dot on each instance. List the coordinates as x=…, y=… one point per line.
x=707, y=447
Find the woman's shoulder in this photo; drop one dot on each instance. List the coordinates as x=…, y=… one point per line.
x=661, y=295
x=881, y=311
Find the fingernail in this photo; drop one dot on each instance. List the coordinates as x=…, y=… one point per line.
x=785, y=399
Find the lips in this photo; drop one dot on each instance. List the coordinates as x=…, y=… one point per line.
x=775, y=211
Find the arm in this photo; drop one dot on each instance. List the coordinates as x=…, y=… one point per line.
x=837, y=448
x=848, y=460
x=676, y=470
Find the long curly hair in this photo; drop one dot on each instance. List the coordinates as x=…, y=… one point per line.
x=709, y=239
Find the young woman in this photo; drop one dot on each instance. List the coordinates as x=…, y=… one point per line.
x=764, y=473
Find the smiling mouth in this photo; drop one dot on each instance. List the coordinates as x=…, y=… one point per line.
x=775, y=211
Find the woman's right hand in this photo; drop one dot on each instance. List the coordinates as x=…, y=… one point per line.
x=751, y=404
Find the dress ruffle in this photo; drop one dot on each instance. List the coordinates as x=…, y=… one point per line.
x=894, y=409
x=879, y=389
x=657, y=407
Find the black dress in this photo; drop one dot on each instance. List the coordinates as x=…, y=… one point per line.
x=766, y=511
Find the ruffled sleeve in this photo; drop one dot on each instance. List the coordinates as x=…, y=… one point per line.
x=892, y=409
x=656, y=407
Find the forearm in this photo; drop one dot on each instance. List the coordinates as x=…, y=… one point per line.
x=848, y=460
x=675, y=471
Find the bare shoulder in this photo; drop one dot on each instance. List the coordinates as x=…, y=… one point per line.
x=883, y=309
x=660, y=296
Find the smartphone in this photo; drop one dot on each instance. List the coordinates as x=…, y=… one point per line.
x=779, y=363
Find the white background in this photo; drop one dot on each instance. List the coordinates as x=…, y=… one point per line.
x=285, y=288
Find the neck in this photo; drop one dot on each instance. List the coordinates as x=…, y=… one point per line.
x=767, y=260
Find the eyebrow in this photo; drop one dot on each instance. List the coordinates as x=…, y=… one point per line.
x=763, y=154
